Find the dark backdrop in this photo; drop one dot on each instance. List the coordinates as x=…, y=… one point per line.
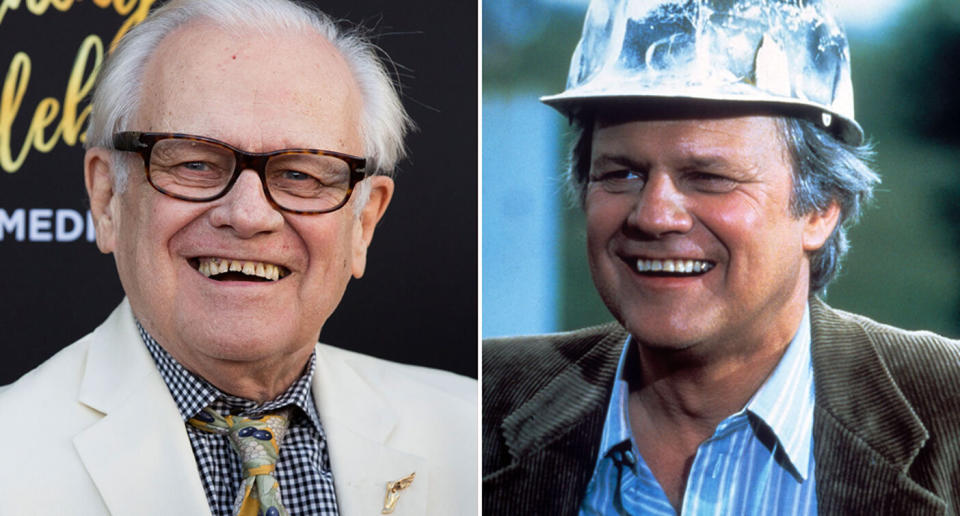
x=417, y=302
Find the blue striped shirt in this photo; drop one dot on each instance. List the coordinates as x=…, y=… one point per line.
x=758, y=461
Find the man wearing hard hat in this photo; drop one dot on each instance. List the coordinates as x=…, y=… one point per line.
x=719, y=166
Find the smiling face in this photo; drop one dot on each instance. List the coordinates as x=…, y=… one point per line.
x=258, y=94
x=689, y=232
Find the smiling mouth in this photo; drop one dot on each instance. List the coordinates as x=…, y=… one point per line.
x=224, y=269
x=679, y=267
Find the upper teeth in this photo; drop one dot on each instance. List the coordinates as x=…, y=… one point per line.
x=682, y=266
x=211, y=266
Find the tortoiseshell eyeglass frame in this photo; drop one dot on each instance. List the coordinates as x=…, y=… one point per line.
x=142, y=143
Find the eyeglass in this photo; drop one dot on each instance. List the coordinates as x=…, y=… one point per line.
x=201, y=169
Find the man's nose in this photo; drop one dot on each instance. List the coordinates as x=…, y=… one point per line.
x=661, y=208
x=245, y=209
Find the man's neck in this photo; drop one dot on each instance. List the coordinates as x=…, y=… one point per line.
x=704, y=383
x=260, y=383
x=686, y=394
x=702, y=393
x=260, y=380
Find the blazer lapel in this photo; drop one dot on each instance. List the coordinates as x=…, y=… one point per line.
x=866, y=435
x=358, y=421
x=554, y=437
x=138, y=455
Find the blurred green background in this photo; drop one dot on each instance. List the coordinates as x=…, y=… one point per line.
x=904, y=266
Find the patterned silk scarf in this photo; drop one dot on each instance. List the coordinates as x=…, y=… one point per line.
x=257, y=442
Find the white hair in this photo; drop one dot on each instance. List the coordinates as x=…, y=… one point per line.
x=117, y=95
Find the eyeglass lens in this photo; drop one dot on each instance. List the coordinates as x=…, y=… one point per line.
x=298, y=181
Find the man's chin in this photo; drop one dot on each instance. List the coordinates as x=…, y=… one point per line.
x=242, y=340
x=663, y=339
x=670, y=330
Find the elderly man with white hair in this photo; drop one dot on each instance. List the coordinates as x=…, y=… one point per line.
x=239, y=157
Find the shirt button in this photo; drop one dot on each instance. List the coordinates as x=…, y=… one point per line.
x=629, y=457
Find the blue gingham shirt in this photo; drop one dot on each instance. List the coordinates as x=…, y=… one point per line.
x=734, y=471
x=303, y=468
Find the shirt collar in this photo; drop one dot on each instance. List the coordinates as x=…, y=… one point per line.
x=192, y=393
x=784, y=403
x=616, y=428
x=785, y=400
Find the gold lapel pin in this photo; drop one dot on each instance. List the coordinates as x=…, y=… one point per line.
x=393, y=492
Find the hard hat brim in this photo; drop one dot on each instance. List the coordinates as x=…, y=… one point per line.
x=573, y=103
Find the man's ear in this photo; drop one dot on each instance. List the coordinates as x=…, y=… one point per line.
x=381, y=191
x=98, y=177
x=819, y=226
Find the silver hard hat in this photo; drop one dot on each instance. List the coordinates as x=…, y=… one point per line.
x=787, y=54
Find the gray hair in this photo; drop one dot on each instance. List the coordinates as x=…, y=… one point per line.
x=116, y=98
x=825, y=170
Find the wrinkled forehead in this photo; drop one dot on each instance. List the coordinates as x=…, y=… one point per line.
x=688, y=130
x=616, y=111
x=293, y=89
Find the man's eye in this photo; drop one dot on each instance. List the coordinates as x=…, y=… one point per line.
x=195, y=165
x=711, y=182
x=621, y=180
x=619, y=175
x=294, y=175
x=624, y=174
x=197, y=169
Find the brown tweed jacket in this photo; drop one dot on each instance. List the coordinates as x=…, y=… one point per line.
x=886, y=430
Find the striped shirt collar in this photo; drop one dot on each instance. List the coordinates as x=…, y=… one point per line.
x=785, y=400
x=784, y=403
x=193, y=393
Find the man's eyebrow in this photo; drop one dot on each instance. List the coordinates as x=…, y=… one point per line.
x=704, y=162
x=605, y=160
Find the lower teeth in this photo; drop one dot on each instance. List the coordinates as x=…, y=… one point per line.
x=236, y=276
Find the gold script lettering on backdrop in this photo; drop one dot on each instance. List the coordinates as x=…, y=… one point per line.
x=69, y=128
x=136, y=9
x=79, y=84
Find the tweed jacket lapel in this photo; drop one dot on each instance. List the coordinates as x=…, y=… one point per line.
x=866, y=434
x=553, y=438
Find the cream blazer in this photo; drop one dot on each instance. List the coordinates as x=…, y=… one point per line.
x=95, y=431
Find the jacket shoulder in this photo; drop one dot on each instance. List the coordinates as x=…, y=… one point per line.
x=431, y=406
x=47, y=397
x=922, y=363
x=524, y=375
x=426, y=381
x=428, y=413
x=893, y=395
x=53, y=385
x=521, y=365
